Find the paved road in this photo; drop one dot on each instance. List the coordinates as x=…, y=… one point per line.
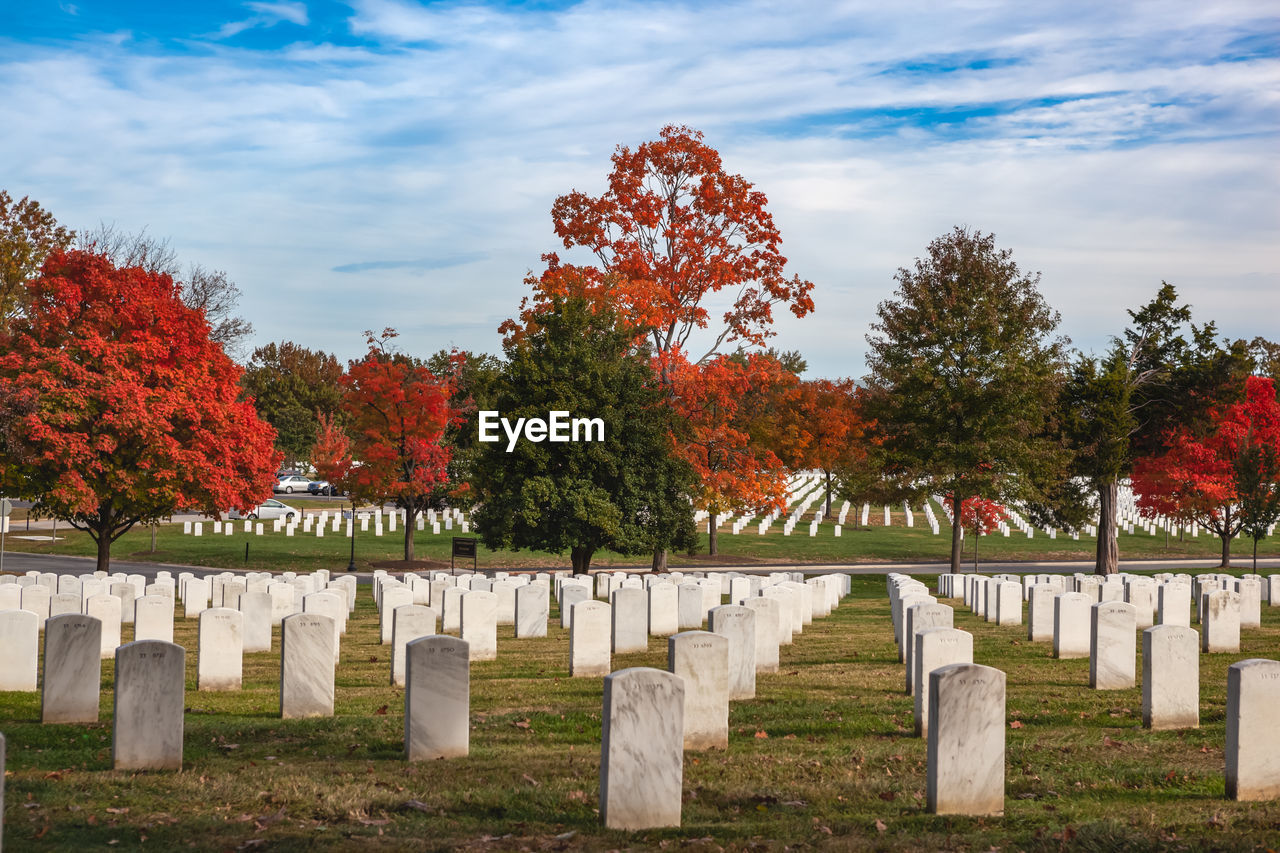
x=19, y=563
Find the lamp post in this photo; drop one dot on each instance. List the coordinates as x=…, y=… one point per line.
x=351, y=567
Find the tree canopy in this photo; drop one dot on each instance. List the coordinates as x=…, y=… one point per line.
x=964, y=373
x=292, y=387
x=624, y=493
x=118, y=408
x=28, y=233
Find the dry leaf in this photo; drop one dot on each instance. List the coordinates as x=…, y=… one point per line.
x=762, y=735
x=1016, y=724
x=880, y=827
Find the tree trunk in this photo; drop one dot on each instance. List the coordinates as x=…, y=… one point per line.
x=410, y=520
x=659, y=560
x=408, y=539
x=104, y=551
x=955, y=534
x=711, y=534
x=1108, y=555
x=581, y=557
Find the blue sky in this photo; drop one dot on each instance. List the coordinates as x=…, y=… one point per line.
x=393, y=163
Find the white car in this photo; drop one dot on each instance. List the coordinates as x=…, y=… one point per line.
x=268, y=510
x=292, y=483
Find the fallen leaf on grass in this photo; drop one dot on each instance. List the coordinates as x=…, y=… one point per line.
x=880, y=827
x=762, y=735
x=381, y=712
x=1016, y=724
x=888, y=796
x=375, y=822
x=124, y=810
x=532, y=781
x=521, y=724
x=1106, y=741
x=415, y=805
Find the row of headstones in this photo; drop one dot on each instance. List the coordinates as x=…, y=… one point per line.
x=46, y=594
x=149, y=673
x=240, y=621
x=712, y=667
x=473, y=606
x=319, y=523
x=1059, y=606
x=931, y=645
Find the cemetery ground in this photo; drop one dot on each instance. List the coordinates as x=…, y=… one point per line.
x=823, y=756
x=872, y=543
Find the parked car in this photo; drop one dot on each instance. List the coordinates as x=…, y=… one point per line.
x=323, y=487
x=269, y=509
x=292, y=483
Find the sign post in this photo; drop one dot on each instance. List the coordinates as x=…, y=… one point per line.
x=463, y=546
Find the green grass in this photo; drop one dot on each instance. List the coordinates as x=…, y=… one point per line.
x=823, y=757
x=876, y=543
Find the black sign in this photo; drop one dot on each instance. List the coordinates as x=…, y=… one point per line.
x=463, y=546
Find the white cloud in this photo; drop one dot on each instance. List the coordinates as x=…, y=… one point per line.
x=266, y=15
x=1107, y=161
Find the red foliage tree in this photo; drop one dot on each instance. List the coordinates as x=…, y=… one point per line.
x=735, y=472
x=673, y=230
x=397, y=412
x=1198, y=477
x=118, y=409
x=978, y=514
x=673, y=233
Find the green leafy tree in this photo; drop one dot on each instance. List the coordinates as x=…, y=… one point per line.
x=1162, y=374
x=292, y=387
x=1257, y=472
x=474, y=381
x=964, y=374
x=28, y=233
x=623, y=493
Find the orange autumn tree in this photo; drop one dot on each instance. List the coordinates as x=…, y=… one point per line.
x=397, y=411
x=685, y=252
x=116, y=408
x=821, y=428
x=735, y=472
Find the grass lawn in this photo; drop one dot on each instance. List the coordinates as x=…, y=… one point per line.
x=877, y=543
x=822, y=757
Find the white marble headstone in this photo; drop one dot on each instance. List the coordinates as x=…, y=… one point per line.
x=589, y=643
x=306, y=665
x=1170, y=677
x=147, y=722
x=737, y=624
x=72, y=669
x=1253, y=751
x=437, y=698
x=966, y=741
x=220, y=649
x=702, y=660
x=641, y=749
